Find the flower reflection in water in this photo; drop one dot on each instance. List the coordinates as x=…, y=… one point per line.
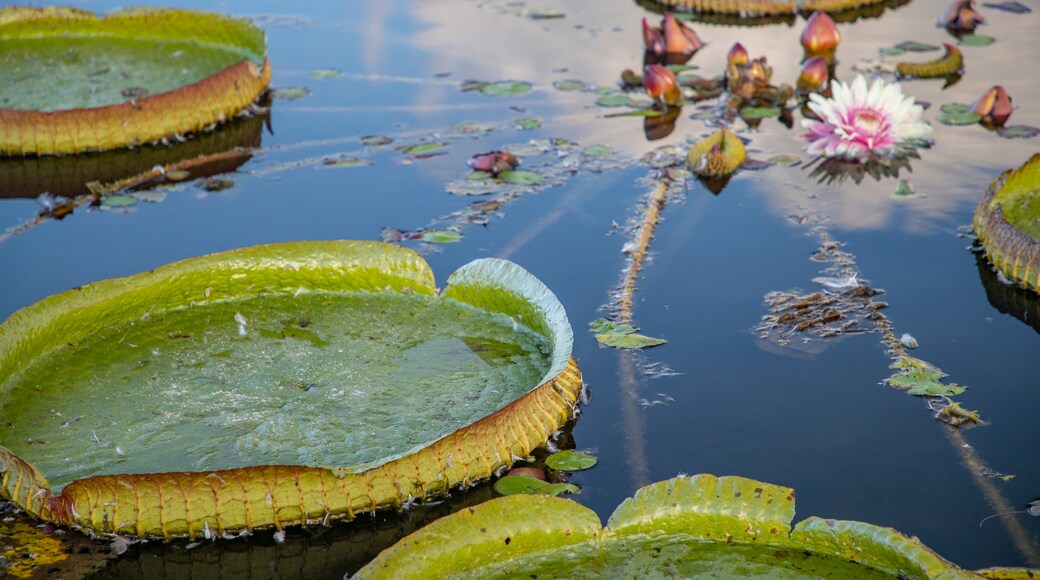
x=836, y=170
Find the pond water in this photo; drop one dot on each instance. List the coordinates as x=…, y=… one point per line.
x=716, y=398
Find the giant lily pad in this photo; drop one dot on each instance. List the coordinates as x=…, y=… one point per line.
x=1007, y=222
x=276, y=385
x=76, y=82
x=685, y=527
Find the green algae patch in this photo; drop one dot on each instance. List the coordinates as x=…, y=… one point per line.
x=289, y=383
x=77, y=82
x=695, y=526
x=1007, y=223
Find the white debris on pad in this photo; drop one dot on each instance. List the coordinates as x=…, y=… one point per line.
x=908, y=341
x=279, y=536
x=839, y=284
x=242, y=323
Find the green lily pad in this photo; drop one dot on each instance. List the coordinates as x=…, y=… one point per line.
x=118, y=201
x=921, y=378
x=957, y=119
x=570, y=461
x=598, y=150
x=420, y=149
x=1018, y=132
x=441, y=236
x=955, y=108
x=289, y=93
x=569, y=85
x=325, y=73
x=685, y=527
x=641, y=113
x=287, y=356
x=628, y=340
x=618, y=100
x=759, y=112
x=520, y=177
x=527, y=123
x=558, y=489
x=514, y=484
x=505, y=88
x=975, y=40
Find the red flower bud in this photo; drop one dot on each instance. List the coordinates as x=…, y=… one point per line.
x=661, y=85
x=679, y=38
x=814, y=76
x=737, y=55
x=494, y=162
x=994, y=104
x=821, y=34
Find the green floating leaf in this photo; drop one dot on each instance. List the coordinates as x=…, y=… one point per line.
x=505, y=88
x=520, y=177
x=903, y=189
x=957, y=119
x=478, y=175
x=602, y=325
x=976, y=40
x=641, y=113
x=921, y=378
x=681, y=68
x=759, y=112
x=914, y=46
x=420, y=148
x=891, y=51
x=441, y=236
x=569, y=85
x=376, y=140
x=118, y=201
x=514, y=484
x=1018, y=132
x=289, y=93
x=598, y=150
x=527, y=123
x=784, y=160
x=617, y=100
x=556, y=489
x=628, y=340
x=325, y=73
x=955, y=108
x=570, y=460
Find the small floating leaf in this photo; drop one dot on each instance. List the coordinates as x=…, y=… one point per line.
x=520, y=177
x=628, y=340
x=514, y=484
x=598, y=150
x=569, y=85
x=602, y=325
x=420, y=148
x=441, y=236
x=641, y=113
x=1018, y=132
x=903, y=189
x=1012, y=7
x=505, y=88
x=325, y=73
x=759, y=112
x=556, y=489
x=289, y=93
x=118, y=201
x=891, y=51
x=921, y=378
x=570, y=461
x=785, y=160
x=612, y=101
x=976, y=40
x=966, y=118
x=953, y=108
x=527, y=123
x=544, y=14
x=346, y=162
x=376, y=140
x=914, y=46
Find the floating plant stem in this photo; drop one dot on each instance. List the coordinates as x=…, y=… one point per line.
x=647, y=225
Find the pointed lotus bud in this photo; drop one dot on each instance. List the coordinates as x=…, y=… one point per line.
x=661, y=85
x=679, y=38
x=995, y=104
x=820, y=35
x=814, y=76
x=758, y=71
x=737, y=55
x=961, y=15
x=653, y=38
x=494, y=162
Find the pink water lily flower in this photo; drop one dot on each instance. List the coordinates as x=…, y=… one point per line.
x=857, y=122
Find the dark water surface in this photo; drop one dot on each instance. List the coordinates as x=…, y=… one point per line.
x=823, y=424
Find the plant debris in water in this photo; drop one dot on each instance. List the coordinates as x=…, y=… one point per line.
x=610, y=333
x=921, y=378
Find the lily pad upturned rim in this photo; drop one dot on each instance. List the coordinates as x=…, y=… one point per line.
x=195, y=504
x=1010, y=250
x=189, y=108
x=701, y=509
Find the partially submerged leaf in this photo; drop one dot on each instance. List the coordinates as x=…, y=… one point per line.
x=965, y=118
x=520, y=177
x=1018, y=132
x=975, y=40
x=618, y=100
x=514, y=484
x=569, y=85
x=505, y=88
x=556, y=489
x=603, y=325
x=420, y=148
x=954, y=108
x=441, y=236
x=570, y=460
x=527, y=123
x=628, y=340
